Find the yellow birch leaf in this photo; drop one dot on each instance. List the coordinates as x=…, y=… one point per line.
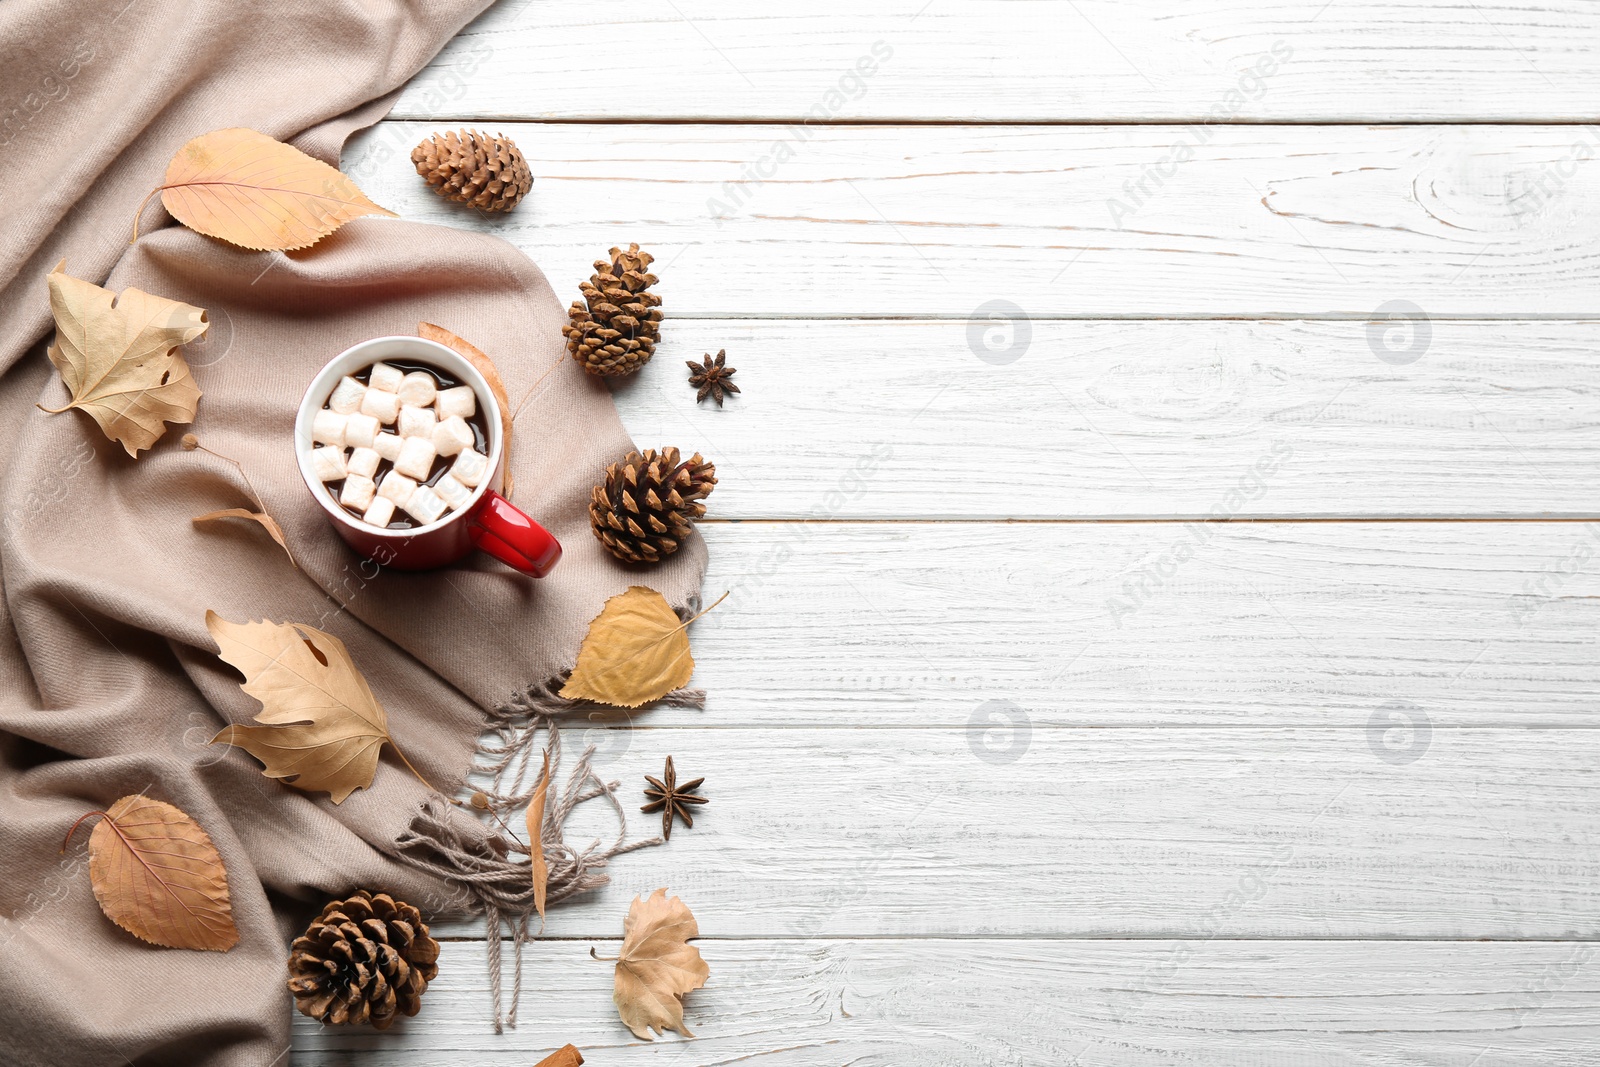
x=636, y=651
x=117, y=356
x=323, y=727
x=479, y=359
x=268, y=523
x=657, y=966
x=245, y=188
x=541, y=872
x=156, y=874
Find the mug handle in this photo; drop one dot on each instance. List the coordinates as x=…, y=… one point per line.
x=511, y=537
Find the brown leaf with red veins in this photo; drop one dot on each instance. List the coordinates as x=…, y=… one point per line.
x=157, y=875
x=251, y=190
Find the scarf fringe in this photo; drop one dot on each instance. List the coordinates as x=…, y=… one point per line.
x=497, y=881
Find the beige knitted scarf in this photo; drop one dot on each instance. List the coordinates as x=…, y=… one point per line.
x=109, y=681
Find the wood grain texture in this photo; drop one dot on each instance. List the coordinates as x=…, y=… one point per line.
x=1080, y=222
x=1121, y=419
x=999, y=792
x=1306, y=624
x=990, y=60
x=1124, y=1003
x=1011, y=829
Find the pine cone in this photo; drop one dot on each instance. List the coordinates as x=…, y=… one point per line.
x=614, y=329
x=487, y=172
x=649, y=502
x=364, y=959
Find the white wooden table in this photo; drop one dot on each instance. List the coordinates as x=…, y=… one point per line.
x=1015, y=761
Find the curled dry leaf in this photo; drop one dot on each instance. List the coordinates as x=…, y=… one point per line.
x=479, y=359
x=657, y=965
x=268, y=523
x=118, y=357
x=636, y=651
x=323, y=725
x=541, y=871
x=157, y=875
x=248, y=189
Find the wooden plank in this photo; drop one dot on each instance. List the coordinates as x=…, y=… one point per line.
x=1307, y=624
x=1123, y=419
x=1077, y=222
x=990, y=60
x=1001, y=831
x=972, y=1001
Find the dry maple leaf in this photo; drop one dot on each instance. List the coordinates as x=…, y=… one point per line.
x=636, y=651
x=479, y=359
x=323, y=725
x=541, y=871
x=157, y=875
x=657, y=965
x=245, y=188
x=117, y=356
x=267, y=522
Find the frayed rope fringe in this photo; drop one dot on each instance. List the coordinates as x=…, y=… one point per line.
x=499, y=882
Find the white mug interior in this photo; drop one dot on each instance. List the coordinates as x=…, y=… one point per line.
x=358, y=358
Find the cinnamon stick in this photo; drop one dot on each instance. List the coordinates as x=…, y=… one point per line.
x=565, y=1056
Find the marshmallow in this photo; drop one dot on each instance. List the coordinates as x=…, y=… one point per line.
x=416, y=458
x=424, y=504
x=385, y=377
x=452, y=435
x=380, y=511
x=396, y=487
x=328, y=463
x=360, y=430
x=327, y=428
x=388, y=445
x=363, y=461
x=470, y=468
x=417, y=388
x=347, y=395
x=416, y=422
x=452, y=492
x=357, y=492
x=380, y=405
x=460, y=401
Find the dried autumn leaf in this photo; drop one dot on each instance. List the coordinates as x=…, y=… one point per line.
x=267, y=522
x=541, y=872
x=157, y=875
x=117, y=356
x=636, y=651
x=657, y=965
x=479, y=359
x=248, y=189
x=324, y=726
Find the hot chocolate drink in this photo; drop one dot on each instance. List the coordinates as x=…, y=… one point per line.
x=400, y=443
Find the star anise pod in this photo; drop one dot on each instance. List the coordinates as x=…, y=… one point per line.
x=669, y=798
x=712, y=378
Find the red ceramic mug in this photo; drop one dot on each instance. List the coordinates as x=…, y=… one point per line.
x=486, y=521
